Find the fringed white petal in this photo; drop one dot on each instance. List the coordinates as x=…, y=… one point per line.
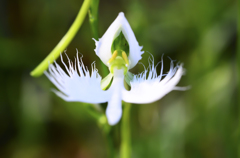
x=148, y=87
x=77, y=84
x=114, y=108
x=103, y=46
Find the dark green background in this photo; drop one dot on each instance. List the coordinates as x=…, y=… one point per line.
x=199, y=123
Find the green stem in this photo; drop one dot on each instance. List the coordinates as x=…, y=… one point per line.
x=93, y=18
x=110, y=145
x=104, y=126
x=238, y=66
x=38, y=71
x=125, y=149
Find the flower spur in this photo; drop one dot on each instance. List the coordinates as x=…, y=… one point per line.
x=119, y=50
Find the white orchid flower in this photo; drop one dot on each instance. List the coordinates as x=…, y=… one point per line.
x=120, y=51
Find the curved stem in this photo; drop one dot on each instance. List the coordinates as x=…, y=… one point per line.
x=125, y=149
x=38, y=71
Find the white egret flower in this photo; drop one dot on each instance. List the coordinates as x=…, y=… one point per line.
x=119, y=50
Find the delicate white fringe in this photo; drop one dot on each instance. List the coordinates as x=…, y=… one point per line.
x=150, y=73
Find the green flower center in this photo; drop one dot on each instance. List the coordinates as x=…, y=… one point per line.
x=120, y=52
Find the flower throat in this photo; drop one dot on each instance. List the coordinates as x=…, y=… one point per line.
x=120, y=52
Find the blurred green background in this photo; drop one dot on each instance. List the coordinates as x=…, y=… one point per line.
x=199, y=123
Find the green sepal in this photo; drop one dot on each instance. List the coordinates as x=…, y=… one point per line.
x=129, y=77
x=106, y=81
x=120, y=44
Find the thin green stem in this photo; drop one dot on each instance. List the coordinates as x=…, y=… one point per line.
x=103, y=125
x=93, y=18
x=125, y=149
x=38, y=71
x=238, y=65
x=110, y=146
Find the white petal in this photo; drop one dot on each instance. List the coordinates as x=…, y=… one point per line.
x=114, y=108
x=103, y=46
x=149, y=88
x=77, y=84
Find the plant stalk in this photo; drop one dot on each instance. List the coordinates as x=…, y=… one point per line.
x=64, y=42
x=238, y=68
x=125, y=148
x=93, y=18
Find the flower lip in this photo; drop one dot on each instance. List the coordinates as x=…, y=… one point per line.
x=103, y=46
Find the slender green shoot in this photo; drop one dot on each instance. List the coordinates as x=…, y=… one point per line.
x=93, y=18
x=238, y=65
x=38, y=71
x=125, y=148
